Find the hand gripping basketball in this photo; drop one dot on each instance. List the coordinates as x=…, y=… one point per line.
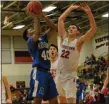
x=34, y=8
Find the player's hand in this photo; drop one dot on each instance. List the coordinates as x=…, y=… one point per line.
x=29, y=11
x=85, y=7
x=8, y=101
x=53, y=72
x=75, y=7
x=41, y=15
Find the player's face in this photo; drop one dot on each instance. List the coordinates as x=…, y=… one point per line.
x=30, y=32
x=52, y=52
x=72, y=31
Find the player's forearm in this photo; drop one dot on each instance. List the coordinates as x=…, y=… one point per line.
x=8, y=93
x=6, y=84
x=36, y=26
x=49, y=22
x=36, y=29
x=66, y=13
x=92, y=22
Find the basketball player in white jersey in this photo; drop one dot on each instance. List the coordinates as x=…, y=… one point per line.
x=53, y=53
x=6, y=93
x=70, y=49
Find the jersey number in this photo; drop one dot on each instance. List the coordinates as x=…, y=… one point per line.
x=65, y=54
x=45, y=55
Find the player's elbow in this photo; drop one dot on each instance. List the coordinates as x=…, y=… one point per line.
x=60, y=19
x=93, y=29
x=36, y=36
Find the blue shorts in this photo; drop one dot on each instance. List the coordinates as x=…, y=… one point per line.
x=42, y=85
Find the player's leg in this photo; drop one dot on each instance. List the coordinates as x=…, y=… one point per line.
x=71, y=100
x=51, y=92
x=70, y=91
x=62, y=99
x=30, y=97
x=38, y=85
x=37, y=100
x=61, y=96
x=53, y=101
x=45, y=102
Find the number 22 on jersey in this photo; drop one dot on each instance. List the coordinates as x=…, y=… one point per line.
x=65, y=54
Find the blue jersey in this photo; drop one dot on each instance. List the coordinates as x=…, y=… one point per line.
x=39, y=52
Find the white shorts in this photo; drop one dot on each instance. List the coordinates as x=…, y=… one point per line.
x=66, y=88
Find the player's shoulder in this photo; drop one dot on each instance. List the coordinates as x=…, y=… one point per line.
x=30, y=39
x=75, y=40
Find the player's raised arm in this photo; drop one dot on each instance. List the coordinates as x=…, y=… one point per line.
x=61, y=20
x=49, y=22
x=34, y=9
x=8, y=91
x=36, y=33
x=36, y=29
x=92, y=29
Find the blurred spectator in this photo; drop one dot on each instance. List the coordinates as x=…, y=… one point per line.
x=93, y=59
x=80, y=90
x=94, y=72
x=96, y=79
x=89, y=99
x=99, y=97
x=87, y=61
x=105, y=92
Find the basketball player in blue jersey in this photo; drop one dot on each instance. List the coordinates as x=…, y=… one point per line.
x=42, y=85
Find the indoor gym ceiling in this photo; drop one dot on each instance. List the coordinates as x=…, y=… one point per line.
x=17, y=15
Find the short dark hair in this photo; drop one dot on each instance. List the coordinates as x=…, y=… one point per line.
x=77, y=27
x=53, y=45
x=25, y=34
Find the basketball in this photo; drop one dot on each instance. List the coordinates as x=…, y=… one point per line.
x=35, y=7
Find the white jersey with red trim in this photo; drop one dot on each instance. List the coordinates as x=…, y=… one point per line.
x=54, y=64
x=54, y=68
x=68, y=59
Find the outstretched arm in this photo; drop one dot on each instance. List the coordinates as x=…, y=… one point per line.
x=8, y=92
x=92, y=29
x=49, y=22
x=36, y=29
x=36, y=32
x=61, y=19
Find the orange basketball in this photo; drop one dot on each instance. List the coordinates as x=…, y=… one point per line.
x=34, y=6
